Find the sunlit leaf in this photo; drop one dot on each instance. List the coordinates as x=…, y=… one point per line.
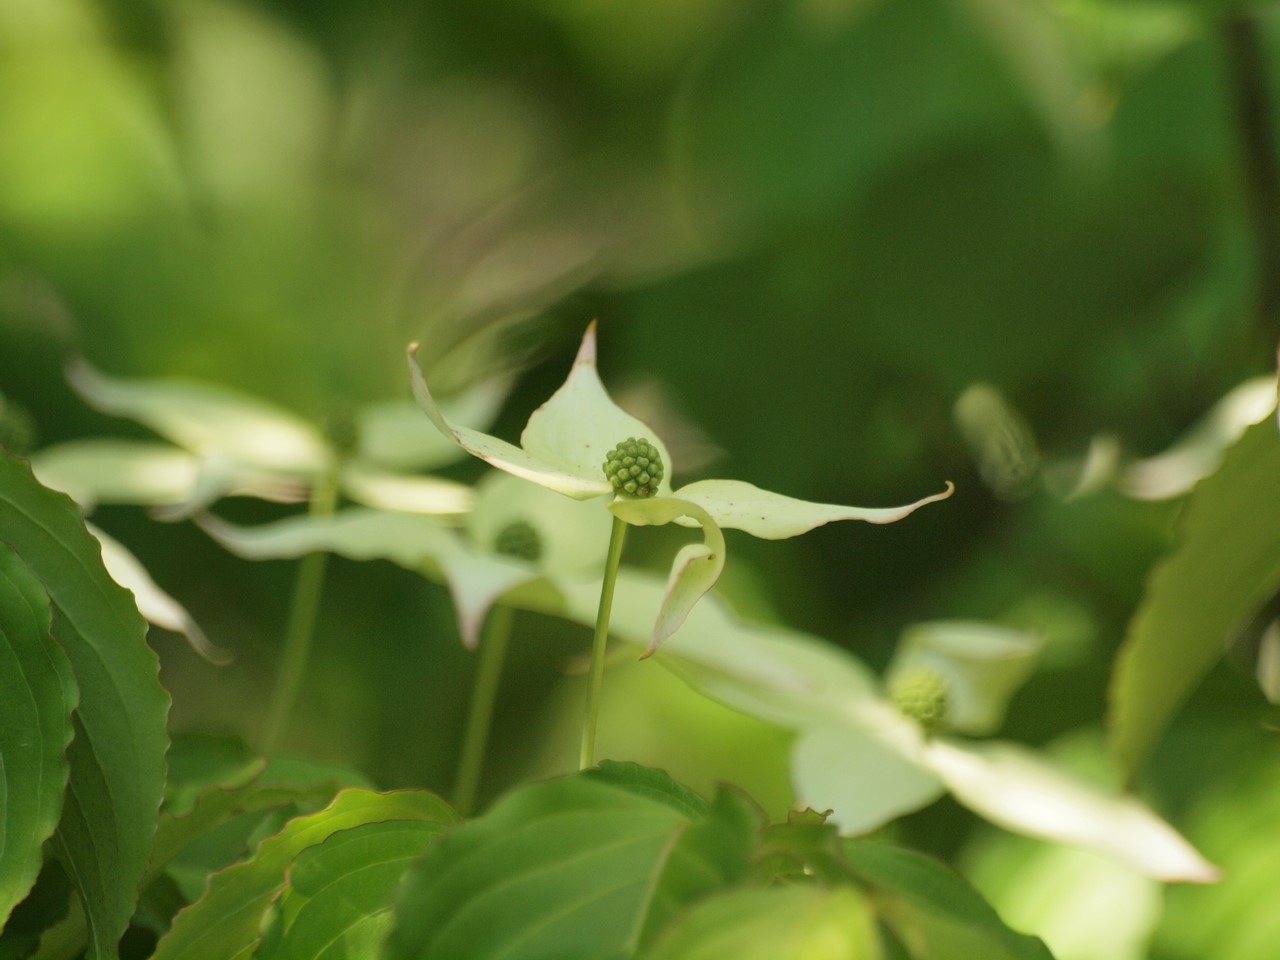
x=117, y=756
x=225, y=924
x=1235, y=919
x=337, y=903
x=573, y=868
x=35, y=728
x=1046, y=889
x=782, y=923
x=933, y=909
x=1224, y=567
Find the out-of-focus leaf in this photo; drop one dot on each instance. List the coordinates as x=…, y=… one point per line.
x=575, y=868
x=1046, y=889
x=337, y=903
x=1000, y=440
x=35, y=728
x=226, y=922
x=1200, y=450
x=117, y=755
x=1237, y=918
x=153, y=603
x=1224, y=567
x=933, y=908
x=808, y=103
x=782, y=923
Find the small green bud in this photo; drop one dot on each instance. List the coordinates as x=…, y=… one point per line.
x=519, y=539
x=17, y=428
x=634, y=467
x=921, y=695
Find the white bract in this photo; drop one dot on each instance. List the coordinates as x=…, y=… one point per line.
x=222, y=442
x=571, y=538
x=563, y=448
x=857, y=755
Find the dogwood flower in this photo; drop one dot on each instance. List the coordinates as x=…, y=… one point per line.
x=582, y=445
x=520, y=542
x=870, y=751
x=223, y=442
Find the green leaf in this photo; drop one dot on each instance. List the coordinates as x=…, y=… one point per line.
x=117, y=756
x=338, y=900
x=651, y=783
x=573, y=868
x=748, y=158
x=35, y=728
x=225, y=924
x=781, y=923
x=219, y=803
x=1224, y=568
x=929, y=904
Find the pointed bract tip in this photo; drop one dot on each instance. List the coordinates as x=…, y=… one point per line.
x=413, y=349
x=587, y=352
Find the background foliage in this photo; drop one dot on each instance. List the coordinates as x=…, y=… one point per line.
x=806, y=228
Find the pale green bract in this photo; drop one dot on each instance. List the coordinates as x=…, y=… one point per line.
x=573, y=536
x=223, y=442
x=856, y=755
x=567, y=439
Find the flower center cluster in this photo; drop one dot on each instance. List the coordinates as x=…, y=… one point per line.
x=519, y=539
x=342, y=431
x=922, y=696
x=634, y=467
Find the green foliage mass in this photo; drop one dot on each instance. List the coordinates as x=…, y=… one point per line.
x=809, y=229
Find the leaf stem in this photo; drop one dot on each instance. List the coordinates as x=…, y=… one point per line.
x=493, y=651
x=300, y=629
x=595, y=678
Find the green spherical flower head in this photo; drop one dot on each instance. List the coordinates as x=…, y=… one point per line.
x=342, y=430
x=922, y=696
x=17, y=428
x=520, y=540
x=634, y=467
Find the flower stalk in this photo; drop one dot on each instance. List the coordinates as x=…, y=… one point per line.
x=300, y=629
x=493, y=653
x=595, y=677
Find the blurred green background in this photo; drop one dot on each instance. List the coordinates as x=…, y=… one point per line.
x=806, y=228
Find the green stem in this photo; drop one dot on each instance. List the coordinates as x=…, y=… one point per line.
x=300, y=628
x=595, y=678
x=493, y=651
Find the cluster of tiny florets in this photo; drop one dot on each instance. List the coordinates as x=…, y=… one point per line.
x=921, y=695
x=342, y=430
x=634, y=467
x=519, y=539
